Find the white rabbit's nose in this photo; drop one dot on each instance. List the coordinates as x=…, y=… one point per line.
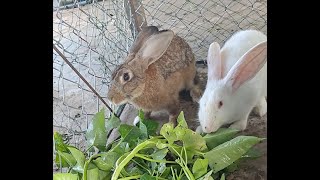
x=207, y=129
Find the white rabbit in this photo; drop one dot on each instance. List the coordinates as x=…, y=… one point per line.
x=237, y=82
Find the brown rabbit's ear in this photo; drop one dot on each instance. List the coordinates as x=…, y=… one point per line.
x=155, y=47
x=144, y=34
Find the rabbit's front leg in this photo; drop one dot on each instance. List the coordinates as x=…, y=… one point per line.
x=241, y=124
x=174, y=110
x=261, y=108
x=147, y=115
x=196, y=93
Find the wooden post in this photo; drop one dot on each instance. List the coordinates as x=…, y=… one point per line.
x=138, y=15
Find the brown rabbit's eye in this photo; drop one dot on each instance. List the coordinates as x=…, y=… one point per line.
x=220, y=104
x=126, y=76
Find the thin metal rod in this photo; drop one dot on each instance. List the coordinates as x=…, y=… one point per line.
x=83, y=79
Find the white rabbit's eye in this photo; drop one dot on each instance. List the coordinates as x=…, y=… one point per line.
x=220, y=104
x=126, y=77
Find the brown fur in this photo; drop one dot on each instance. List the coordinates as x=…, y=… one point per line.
x=155, y=84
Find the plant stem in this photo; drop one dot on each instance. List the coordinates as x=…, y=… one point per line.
x=184, y=166
x=131, y=177
x=121, y=158
x=118, y=169
x=116, y=145
x=154, y=160
x=86, y=165
x=173, y=174
x=199, y=152
x=185, y=153
x=141, y=166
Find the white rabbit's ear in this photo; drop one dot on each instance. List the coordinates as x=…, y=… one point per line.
x=247, y=66
x=214, y=62
x=155, y=47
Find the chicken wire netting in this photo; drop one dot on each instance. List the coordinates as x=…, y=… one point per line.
x=95, y=36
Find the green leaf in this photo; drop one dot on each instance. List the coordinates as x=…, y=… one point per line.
x=222, y=177
x=59, y=144
x=129, y=134
x=112, y=123
x=143, y=165
x=223, y=155
x=135, y=171
x=181, y=120
x=96, y=133
x=166, y=172
x=162, y=167
x=122, y=148
x=143, y=130
x=141, y=114
x=207, y=176
x=103, y=175
x=161, y=145
x=190, y=139
x=200, y=167
x=67, y=160
x=147, y=177
x=65, y=176
x=219, y=137
x=152, y=126
x=63, y=161
x=167, y=131
x=160, y=154
x=80, y=158
x=93, y=174
x=106, y=161
x=252, y=153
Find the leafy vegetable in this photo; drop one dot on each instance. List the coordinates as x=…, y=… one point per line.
x=80, y=158
x=65, y=176
x=220, y=136
x=96, y=133
x=129, y=134
x=223, y=155
x=200, y=167
x=177, y=153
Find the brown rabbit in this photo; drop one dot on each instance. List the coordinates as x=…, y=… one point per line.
x=159, y=65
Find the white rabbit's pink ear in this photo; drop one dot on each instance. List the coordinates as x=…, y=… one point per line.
x=155, y=46
x=214, y=62
x=247, y=66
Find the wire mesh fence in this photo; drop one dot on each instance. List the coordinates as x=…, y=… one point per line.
x=95, y=36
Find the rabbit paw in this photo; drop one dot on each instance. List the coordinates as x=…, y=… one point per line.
x=261, y=108
x=136, y=120
x=196, y=94
x=239, y=125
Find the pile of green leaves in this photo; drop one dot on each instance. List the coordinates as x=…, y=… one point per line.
x=178, y=153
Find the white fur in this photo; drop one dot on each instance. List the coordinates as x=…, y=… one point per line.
x=237, y=104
